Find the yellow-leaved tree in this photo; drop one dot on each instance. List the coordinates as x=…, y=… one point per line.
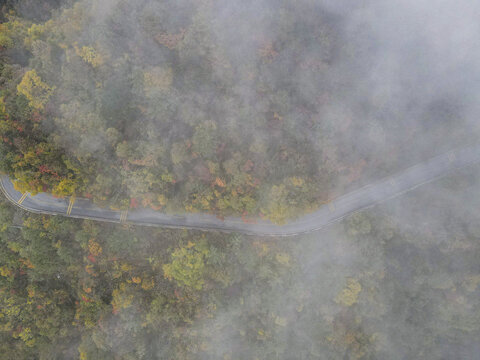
x=89, y=55
x=35, y=90
x=188, y=265
x=65, y=187
x=349, y=295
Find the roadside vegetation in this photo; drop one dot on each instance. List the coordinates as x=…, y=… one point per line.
x=369, y=288
x=122, y=103
x=253, y=108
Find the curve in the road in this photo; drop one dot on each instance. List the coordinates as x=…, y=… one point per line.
x=335, y=210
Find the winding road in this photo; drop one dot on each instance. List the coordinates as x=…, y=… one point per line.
x=335, y=210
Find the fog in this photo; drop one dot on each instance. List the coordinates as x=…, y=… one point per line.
x=343, y=93
x=372, y=79
x=337, y=93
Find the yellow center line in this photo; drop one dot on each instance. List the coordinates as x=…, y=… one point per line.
x=123, y=216
x=22, y=198
x=70, y=204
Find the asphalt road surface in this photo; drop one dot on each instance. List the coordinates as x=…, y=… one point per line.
x=335, y=210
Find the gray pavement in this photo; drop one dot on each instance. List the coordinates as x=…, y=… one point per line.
x=335, y=210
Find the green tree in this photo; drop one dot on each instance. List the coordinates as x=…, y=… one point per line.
x=188, y=265
x=204, y=139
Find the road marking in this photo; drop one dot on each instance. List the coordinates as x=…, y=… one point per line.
x=22, y=198
x=123, y=216
x=70, y=204
x=306, y=225
x=331, y=207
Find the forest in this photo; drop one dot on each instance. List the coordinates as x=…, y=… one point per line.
x=223, y=108
x=368, y=288
x=249, y=108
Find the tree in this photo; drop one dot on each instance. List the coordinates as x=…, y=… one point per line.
x=65, y=187
x=204, y=139
x=179, y=153
x=349, y=295
x=359, y=224
x=188, y=265
x=35, y=90
x=277, y=209
x=89, y=55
